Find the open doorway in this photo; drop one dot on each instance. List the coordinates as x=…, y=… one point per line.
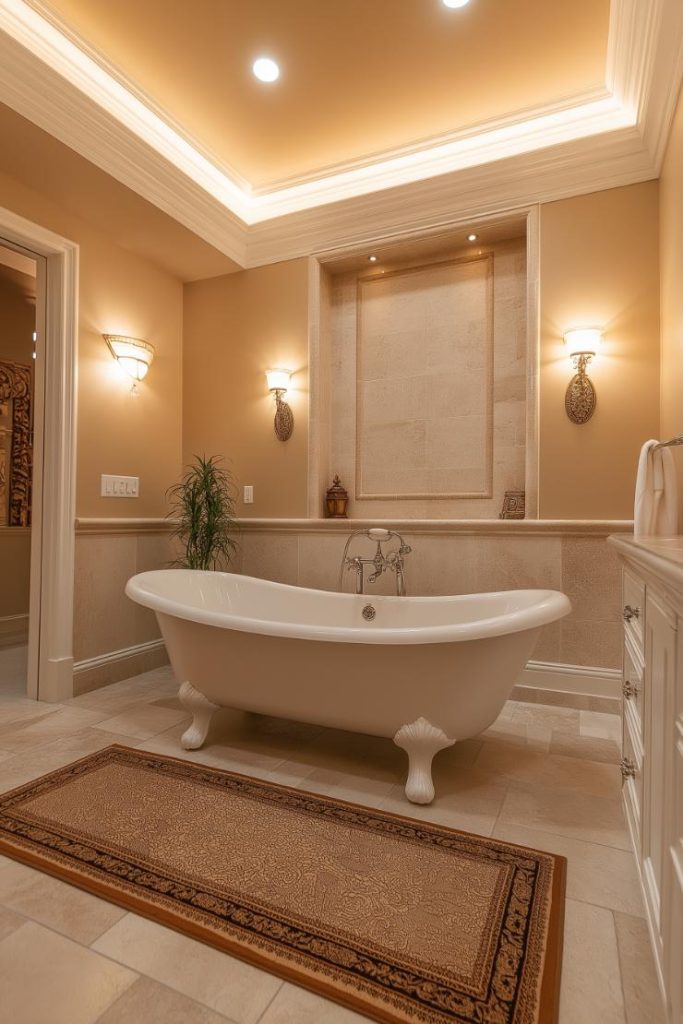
x=18, y=297
x=48, y=674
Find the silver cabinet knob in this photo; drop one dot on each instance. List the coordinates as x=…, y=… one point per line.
x=631, y=613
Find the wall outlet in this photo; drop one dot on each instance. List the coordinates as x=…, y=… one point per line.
x=120, y=486
x=248, y=497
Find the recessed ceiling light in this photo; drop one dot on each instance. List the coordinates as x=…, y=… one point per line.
x=373, y=259
x=265, y=69
x=455, y=3
x=472, y=238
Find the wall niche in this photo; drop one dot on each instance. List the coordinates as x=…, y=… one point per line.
x=422, y=397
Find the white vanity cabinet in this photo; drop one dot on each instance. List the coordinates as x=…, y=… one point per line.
x=652, y=765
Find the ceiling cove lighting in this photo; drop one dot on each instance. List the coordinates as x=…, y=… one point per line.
x=266, y=69
x=493, y=141
x=455, y=3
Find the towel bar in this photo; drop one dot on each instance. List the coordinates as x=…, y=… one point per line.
x=669, y=444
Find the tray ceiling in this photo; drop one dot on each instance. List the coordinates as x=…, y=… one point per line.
x=360, y=78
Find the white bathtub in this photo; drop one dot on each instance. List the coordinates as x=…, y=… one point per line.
x=427, y=671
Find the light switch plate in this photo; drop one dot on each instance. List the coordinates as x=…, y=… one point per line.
x=248, y=496
x=120, y=486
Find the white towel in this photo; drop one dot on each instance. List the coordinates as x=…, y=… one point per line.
x=656, y=506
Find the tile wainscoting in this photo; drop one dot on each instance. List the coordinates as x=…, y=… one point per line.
x=577, y=661
x=113, y=637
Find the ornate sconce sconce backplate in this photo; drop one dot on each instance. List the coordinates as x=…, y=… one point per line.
x=580, y=398
x=284, y=418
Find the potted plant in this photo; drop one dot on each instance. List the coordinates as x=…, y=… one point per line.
x=203, y=509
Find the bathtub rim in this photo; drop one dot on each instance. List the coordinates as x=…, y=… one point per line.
x=551, y=606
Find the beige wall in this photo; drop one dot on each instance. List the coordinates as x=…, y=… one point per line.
x=119, y=292
x=671, y=261
x=236, y=327
x=599, y=267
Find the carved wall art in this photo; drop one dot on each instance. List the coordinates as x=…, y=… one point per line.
x=16, y=444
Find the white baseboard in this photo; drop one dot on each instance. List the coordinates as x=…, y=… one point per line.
x=101, y=660
x=591, y=682
x=103, y=669
x=13, y=630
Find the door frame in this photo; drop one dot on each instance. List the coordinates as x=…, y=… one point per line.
x=50, y=661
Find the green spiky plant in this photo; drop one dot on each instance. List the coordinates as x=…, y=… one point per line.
x=203, y=509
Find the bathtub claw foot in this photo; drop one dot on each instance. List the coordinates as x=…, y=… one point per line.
x=201, y=710
x=421, y=741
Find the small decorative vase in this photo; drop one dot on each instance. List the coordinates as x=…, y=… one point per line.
x=513, y=505
x=336, y=500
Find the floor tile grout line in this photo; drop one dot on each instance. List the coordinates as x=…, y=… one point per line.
x=27, y=919
x=621, y=967
x=270, y=1002
x=142, y=976
x=601, y=906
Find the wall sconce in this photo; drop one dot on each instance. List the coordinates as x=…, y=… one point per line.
x=278, y=385
x=582, y=344
x=133, y=356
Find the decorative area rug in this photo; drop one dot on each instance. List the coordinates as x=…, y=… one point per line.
x=397, y=919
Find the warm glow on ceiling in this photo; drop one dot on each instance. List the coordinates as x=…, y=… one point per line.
x=362, y=82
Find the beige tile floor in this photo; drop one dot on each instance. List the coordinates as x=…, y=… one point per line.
x=541, y=776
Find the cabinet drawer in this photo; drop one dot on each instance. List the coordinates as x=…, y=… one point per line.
x=634, y=609
x=632, y=775
x=633, y=683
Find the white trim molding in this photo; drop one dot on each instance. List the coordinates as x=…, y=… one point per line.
x=522, y=527
x=112, y=657
x=446, y=527
x=572, y=679
x=109, y=526
x=50, y=667
x=612, y=136
x=104, y=669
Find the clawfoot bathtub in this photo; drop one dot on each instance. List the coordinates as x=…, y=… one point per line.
x=426, y=671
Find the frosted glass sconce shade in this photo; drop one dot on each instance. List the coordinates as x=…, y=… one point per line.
x=583, y=341
x=278, y=380
x=133, y=356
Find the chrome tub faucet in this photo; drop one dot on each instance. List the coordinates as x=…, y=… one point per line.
x=391, y=562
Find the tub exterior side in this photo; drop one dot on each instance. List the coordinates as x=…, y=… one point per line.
x=459, y=687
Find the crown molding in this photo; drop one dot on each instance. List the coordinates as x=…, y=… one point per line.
x=450, y=201
x=45, y=78
x=610, y=137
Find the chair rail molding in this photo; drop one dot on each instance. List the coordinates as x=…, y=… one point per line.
x=612, y=136
x=50, y=667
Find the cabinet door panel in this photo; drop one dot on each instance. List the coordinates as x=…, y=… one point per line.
x=660, y=681
x=672, y=912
